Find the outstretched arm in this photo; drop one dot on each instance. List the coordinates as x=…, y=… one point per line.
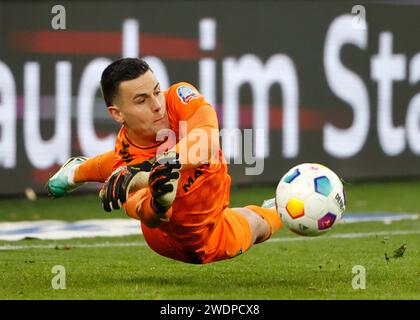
x=96, y=169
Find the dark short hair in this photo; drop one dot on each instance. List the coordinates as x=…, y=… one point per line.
x=118, y=71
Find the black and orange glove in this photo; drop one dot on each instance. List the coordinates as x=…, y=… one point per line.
x=163, y=181
x=123, y=181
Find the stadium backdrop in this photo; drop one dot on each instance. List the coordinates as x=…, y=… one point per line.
x=312, y=79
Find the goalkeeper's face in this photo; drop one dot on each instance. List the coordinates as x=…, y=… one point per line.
x=141, y=107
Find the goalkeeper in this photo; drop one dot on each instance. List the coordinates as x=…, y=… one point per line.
x=181, y=200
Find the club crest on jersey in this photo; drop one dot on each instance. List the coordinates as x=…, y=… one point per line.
x=186, y=94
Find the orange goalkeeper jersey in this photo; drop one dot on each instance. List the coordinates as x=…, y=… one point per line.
x=203, y=191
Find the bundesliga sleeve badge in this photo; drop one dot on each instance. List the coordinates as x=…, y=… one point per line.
x=186, y=94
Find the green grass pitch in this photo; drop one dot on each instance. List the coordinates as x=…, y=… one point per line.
x=286, y=267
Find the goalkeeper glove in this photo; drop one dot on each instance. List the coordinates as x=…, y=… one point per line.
x=163, y=181
x=62, y=182
x=123, y=181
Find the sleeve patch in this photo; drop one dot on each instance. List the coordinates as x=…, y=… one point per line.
x=186, y=94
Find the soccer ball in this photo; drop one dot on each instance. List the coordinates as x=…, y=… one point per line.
x=310, y=199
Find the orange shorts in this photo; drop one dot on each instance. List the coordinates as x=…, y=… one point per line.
x=230, y=237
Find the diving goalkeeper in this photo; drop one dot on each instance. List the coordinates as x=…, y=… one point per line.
x=181, y=201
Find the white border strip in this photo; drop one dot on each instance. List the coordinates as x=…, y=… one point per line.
x=349, y=235
x=56, y=229
x=142, y=244
x=72, y=246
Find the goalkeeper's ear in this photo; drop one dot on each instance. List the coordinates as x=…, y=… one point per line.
x=115, y=113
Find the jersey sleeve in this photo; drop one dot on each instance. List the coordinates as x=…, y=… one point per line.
x=183, y=100
x=200, y=130
x=96, y=169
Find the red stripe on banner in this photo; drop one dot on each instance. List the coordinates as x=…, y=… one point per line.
x=309, y=119
x=170, y=47
x=74, y=42
x=103, y=43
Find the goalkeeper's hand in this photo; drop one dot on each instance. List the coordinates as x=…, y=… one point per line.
x=123, y=181
x=163, y=181
x=62, y=182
